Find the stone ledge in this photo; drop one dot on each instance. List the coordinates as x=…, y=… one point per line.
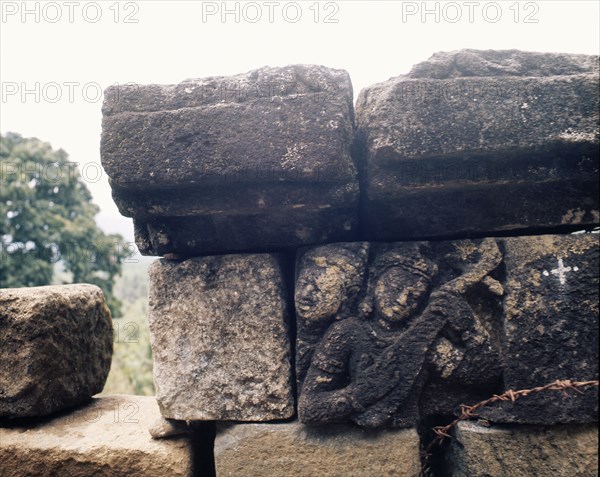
x=295, y=450
x=524, y=451
x=107, y=438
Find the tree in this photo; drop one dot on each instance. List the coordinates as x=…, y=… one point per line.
x=47, y=222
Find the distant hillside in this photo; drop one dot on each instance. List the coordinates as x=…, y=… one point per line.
x=131, y=370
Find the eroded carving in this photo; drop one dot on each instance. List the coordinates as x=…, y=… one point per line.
x=378, y=323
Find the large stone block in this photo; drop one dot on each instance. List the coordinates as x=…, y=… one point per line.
x=294, y=450
x=390, y=333
x=550, y=327
x=218, y=329
x=254, y=161
x=523, y=451
x=56, y=347
x=107, y=438
x=481, y=142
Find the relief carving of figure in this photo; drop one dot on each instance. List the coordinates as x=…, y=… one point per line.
x=366, y=355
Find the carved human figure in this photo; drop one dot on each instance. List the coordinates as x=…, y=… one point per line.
x=329, y=287
x=370, y=367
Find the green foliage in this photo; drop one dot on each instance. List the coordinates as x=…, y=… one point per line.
x=47, y=217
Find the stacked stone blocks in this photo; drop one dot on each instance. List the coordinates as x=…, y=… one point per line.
x=334, y=281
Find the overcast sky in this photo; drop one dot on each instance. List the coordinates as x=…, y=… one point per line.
x=56, y=57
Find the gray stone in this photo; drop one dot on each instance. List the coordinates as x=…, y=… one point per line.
x=481, y=142
x=551, y=327
x=523, y=451
x=106, y=438
x=254, y=161
x=56, y=347
x=379, y=323
x=484, y=63
x=294, y=450
x=218, y=329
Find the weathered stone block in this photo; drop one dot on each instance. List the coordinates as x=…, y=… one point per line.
x=218, y=329
x=254, y=161
x=56, y=347
x=523, y=451
x=481, y=142
x=389, y=333
x=107, y=438
x=294, y=450
x=550, y=327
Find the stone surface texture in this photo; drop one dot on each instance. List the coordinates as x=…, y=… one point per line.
x=523, y=451
x=480, y=142
x=294, y=450
x=380, y=323
x=551, y=327
x=56, y=347
x=254, y=161
x=218, y=329
x=106, y=438
x=388, y=333
x=162, y=428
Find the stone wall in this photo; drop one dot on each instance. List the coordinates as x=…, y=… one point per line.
x=335, y=283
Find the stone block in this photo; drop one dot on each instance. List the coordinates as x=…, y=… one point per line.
x=523, y=451
x=550, y=327
x=473, y=142
x=254, y=161
x=295, y=450
x=218, y=328
x=56, y=346
x=106, y=438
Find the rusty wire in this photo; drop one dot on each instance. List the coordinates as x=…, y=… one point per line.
x=468, y=412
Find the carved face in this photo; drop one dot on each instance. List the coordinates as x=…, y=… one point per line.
x=319, y=293
x=398, y=294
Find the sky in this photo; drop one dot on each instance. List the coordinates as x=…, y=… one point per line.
x=57, y=57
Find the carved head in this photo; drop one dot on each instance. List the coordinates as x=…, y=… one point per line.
x=400, y=284
x=329, y=277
